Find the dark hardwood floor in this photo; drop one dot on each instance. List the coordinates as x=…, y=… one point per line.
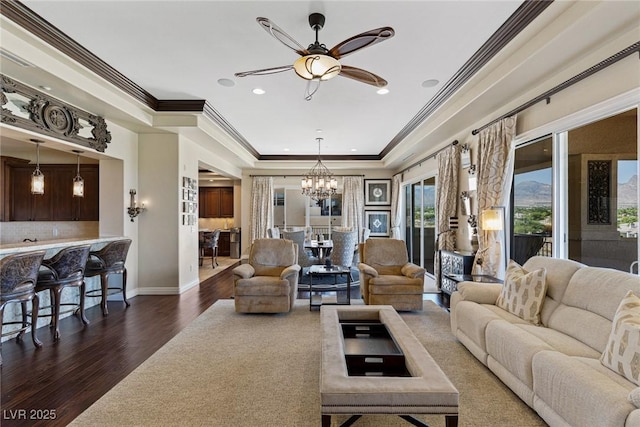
x=53, y=385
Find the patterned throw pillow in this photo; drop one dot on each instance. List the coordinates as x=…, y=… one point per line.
x=622, y=354
x=523, y=292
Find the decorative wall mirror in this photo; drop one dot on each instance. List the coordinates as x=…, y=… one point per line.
x=465, y=156
x=465, y=205
x=473, y=179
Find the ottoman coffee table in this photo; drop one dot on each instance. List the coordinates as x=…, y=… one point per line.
x=373, y=364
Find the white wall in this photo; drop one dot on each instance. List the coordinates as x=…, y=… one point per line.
x=158, y=165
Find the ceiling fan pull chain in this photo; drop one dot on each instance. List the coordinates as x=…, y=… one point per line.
x=309, y=91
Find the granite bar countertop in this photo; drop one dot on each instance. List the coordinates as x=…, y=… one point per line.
x=52, y=246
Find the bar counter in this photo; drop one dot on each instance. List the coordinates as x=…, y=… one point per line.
x=53, y=246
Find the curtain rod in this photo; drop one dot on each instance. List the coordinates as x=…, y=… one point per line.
x=454, y=143
x=573, y=80
x=297, y=175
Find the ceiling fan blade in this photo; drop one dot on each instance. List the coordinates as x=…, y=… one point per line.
x=363, y=76
x=265, y=71
x=361, y=41
x=281, y=36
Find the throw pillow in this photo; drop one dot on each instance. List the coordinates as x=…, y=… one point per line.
x=523, y=292
x=622, y=354
x=634, y=397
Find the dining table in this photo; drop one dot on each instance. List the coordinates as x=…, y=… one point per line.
x=320, y=248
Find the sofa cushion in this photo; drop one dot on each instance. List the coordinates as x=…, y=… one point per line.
x=591, y=298
x=386, y=284
x=634, y=397
x=472, y=320
x=559, y=272
x=262, y=285
x=580, y=390
x=622, y=354
x=523, y=292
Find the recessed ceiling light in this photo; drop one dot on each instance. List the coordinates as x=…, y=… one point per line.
x=47, y=88
x=354, y=149
x=286, y=149
x=382, y=91
x=226, y=82
x=430, y=83
x=259, y=91
x=319, y=130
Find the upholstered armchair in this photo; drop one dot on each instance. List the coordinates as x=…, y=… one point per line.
x=386, y=276
x=268, y=283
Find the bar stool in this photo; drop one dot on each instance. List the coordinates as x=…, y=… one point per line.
x=64, y=269
x=18, y=275
x=106, y=261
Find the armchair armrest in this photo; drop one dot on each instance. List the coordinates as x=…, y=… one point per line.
x=482, y=293
x=291, y=270
x=412, y=270
x=244, y=271
x=367, y=269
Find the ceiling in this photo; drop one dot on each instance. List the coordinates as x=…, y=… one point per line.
x=181, y=49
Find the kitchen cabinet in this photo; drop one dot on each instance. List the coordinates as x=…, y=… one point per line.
x=224, y=245
x=215, y=202
x=57, y=203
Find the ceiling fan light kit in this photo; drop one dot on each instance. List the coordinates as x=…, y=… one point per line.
x=317, y=63
x=322, y=67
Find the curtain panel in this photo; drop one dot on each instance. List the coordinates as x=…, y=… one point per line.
x=396, y=208
x=261, y=207
x=496, y=155
x=446, y=201
x=353, y=203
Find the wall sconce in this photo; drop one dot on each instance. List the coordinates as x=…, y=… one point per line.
x=78, y=182
x=37, y=177
x=134, y=210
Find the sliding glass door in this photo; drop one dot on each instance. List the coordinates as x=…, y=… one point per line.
x=576, y=195
x=420, y=222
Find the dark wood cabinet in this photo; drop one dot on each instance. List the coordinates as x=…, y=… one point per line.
x=224, y=245
x=226, y=202
x=57, y=203
x=215, y=202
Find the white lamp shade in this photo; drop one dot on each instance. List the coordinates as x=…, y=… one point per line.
x=492, y=220
x=317, y=66
x=78, y=186
x=37, y=182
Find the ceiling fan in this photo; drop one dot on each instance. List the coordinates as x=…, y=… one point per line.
x=316, y=62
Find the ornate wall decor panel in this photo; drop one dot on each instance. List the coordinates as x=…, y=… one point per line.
x=599, y=191
x=30, y=109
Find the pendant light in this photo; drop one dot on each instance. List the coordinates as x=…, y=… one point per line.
x=319, y=182
x=78, y=182
x=37, y=177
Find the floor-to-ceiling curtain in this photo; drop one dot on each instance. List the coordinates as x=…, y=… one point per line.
x=396, y=208
x=353, y=203
x=261, y=206
x=495, y=173
x=446, y=201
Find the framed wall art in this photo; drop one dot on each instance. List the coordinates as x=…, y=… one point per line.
x=379, y=222
x=377, y=192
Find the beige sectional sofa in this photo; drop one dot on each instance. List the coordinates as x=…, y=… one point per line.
x=555, y=367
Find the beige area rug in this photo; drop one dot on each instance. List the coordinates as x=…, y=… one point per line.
x=207, y=270
x=228, y=369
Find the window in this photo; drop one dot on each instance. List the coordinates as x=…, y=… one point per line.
x=575, y=194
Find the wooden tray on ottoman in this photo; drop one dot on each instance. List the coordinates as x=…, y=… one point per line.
x=370, y=350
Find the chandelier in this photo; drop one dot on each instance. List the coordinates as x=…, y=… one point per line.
x=319, y=182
